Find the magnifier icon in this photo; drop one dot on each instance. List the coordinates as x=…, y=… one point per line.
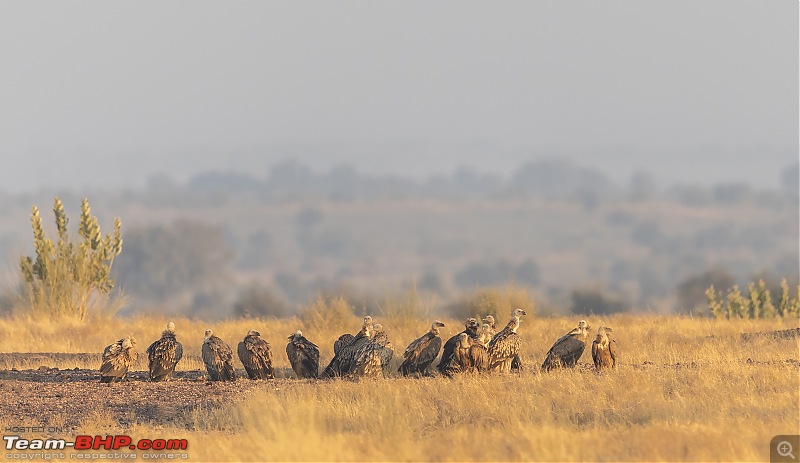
x=785, y=449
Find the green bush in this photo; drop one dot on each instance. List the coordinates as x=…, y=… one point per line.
x=757, y=303
x=70, y=278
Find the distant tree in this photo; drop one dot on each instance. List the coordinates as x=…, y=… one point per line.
x=257, y=301
x=691, y=292
x=165, y=261
x=595, y=301
x=732, y=193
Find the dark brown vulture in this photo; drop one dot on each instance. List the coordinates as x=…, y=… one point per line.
x=470, y=356
x=604, y=350
x=341, y=342
x=372, y=360
x=218, y=358
x=445, y=364
x=419, y=355
x=164, y=354
x=118, y=358
x=303, y=356
x=506, y=344
x=343, y=362
x=255, y=355
x=568, y=349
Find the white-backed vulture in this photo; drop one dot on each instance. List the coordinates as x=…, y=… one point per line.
x=419, y=355
x=256, y=356
x=568, y=349
x=372, y=360
x=445, y=363
x=303, y=356
x=118, y=358
x=506, y=344
x=164, y=354
x=218, y=358
x=342, y=362
x=604, y=350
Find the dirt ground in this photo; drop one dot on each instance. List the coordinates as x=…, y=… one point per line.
x=53, y=397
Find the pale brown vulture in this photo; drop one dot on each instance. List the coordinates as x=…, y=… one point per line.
x=445, y=364
x=118, y=358
x=372, y=360
x=343, y=362
x=470, y=356
x=164, y=354
x=419, y=355
x=218, y=358
x=303, y=356
x=568, y=349
x=256, y=356
x=604, y=351
x=506, y=344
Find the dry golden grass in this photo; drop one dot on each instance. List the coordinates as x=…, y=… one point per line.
x=678, y=394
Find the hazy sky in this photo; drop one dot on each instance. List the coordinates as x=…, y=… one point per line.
x=110, y=93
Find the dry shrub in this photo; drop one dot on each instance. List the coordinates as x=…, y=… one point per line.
x=493, y=301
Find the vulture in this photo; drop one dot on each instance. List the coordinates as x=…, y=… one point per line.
x=347, y=338
x=341, y=342
x=117, y=359
x=255, y=355
x=372, y=360
x=491, y=326
x=303, y=355
x=568, y=349
x=422, y=352
x=470, y=355
x=342, y=362
x=505, y=345
x=604, y=352
x=444, y=366
x=164, y=354
x=218, y=358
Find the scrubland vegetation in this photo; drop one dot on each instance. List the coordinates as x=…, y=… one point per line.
x=684, y=389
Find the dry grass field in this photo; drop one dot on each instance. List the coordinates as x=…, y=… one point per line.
x=685, y=389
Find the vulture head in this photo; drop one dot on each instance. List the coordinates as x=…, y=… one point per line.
x=171, y=327
x=489, y=320
x=296, y=335
x=463, y=341
x=253, y=333
x=472, y=324
x=208, y=335
x=435, y=327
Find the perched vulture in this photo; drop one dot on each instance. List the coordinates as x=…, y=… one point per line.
x=568, y=349
x=303, y=355
x=491, y=329
x=604, y=352
x=372, y=360
x=485, y=335
x=419, y=355
x=218, y=358
x=341, y=342
x=470, y=356
x=342, y=362
x=506, y=344
x=255, y=355
x=164, y=354
x=471, y=329
x=117, y=359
